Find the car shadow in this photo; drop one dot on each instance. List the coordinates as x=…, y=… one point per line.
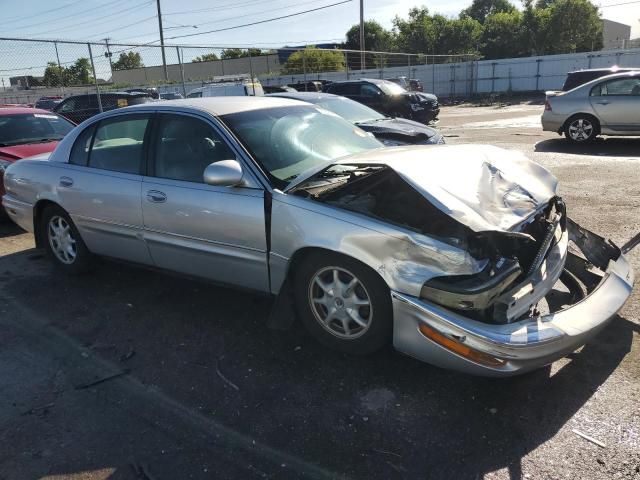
x=9, y=229
x=208, y=349
x=609, y=146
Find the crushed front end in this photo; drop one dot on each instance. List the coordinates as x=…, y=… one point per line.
x=531, y=309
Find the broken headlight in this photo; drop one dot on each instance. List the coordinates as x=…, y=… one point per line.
x=472, y=292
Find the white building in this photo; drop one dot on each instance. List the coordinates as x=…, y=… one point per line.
x=615, y=35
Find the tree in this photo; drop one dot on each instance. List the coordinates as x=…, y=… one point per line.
x=503, y=36
x=535, y=24
x=376, y=38
x=458, y=36
x=481, y=9
x=207, y=57
x=128, y=61
x=417, y=34
x=54, y=75
x=78, y=73
x=229, y=53
x=313, y=59
x=574, y=26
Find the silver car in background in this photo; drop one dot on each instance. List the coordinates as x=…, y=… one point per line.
x=458, y=255
x=606, y=106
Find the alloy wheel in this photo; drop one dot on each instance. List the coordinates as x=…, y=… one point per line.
x=340, y=302
x=581, y=130
x=61, y=240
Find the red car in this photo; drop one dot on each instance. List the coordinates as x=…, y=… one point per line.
x=25, y=132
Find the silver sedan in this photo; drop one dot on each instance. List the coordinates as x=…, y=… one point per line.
x=607, y=106
x=458, y=255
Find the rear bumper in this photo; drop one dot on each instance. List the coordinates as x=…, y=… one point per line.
x=552, y=122
x=520, y=346
x=20, y=212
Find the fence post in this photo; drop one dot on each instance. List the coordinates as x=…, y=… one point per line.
x=452, y=81
x=538, y=60
x=433, y=74
x=408, y=67
x=253, y=85
x=95, y=78
x=493, y=76
x=184, y=87
x=55, y=44
x=304, y=68
x=346, y=62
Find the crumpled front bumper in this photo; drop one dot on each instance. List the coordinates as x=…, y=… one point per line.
x=522, y=345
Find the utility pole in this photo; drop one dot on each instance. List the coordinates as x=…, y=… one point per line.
x=108, y=54
x=55, y=44
x=164, y=58
x=362, y=56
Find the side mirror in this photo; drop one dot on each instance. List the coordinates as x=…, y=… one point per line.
x=225, y=173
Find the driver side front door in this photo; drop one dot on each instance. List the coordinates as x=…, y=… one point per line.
x=214, y=232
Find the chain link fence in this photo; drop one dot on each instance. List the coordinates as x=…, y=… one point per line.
x=32, y=69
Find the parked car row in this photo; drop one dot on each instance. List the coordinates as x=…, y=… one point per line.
x=450, y=253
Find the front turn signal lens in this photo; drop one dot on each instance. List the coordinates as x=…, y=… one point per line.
x=459, y=348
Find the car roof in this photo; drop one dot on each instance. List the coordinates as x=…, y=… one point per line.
x=370, y=80
x=220, y=105
x=23, y=110
x=609, y=69
x=614, y=76
x=306, y=96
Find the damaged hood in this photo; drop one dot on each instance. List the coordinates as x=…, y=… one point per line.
x=483, y=187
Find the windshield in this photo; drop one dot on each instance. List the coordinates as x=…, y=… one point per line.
x=286, y=141
x=390, y=88
x=32, y=128
x=349, y=110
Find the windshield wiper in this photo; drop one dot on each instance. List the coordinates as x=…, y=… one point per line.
x=291, y=178
x=44, y=140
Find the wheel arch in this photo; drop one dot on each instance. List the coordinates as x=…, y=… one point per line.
x=582, y=114
x=38, y=210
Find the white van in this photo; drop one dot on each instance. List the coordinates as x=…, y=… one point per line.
x=225, y=89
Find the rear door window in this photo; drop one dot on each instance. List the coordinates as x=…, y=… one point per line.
x=80, y=150
x=118, y=144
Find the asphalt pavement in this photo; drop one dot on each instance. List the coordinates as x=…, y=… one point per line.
x=128, y=373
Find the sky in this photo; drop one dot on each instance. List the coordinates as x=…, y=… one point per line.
x=135, y=21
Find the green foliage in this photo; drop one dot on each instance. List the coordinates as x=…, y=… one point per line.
x=573, y=26
x=376, y=38
x=313, y=59
x=229, y=53
x=76, y=74
x=128, y=61
x=481, y=9
x=503, y=35
x=207, y=57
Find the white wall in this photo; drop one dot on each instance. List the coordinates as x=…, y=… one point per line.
x=485, y=76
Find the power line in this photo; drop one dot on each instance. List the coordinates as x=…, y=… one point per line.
x=260, y=21
x=618, y=4
x=99, y=20
x=92, y=10
x=44, y=12
x=220, y=20
x=218, y=8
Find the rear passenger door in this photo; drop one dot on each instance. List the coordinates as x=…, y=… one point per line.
x=617, y=103
x=215, y=232
x=100, y=188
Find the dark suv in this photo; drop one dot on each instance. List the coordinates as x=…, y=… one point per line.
x=78, y=108
x=389, y=98
x=580, y=77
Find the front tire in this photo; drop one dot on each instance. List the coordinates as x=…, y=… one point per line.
x=63, y=243
x=581, y=129
x=343, y=303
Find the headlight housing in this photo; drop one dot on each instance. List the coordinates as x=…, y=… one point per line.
x=472, y=292
x=436, y=139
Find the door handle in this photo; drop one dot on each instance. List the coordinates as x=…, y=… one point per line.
x=156, y=196
x=66, y=181
x=603, y=102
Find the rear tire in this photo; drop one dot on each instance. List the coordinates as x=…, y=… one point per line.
x=63, y=243
x=343, y=303
x=581, y=129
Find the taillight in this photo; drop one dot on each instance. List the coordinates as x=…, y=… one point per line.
x=547, y=105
